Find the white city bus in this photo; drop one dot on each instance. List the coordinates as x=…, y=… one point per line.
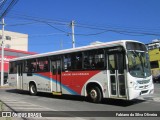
x=118, y=69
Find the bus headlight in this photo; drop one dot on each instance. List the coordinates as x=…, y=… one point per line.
x=135, y=85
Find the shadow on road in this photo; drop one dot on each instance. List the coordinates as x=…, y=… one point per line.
x=122, y=103
x=116, y=102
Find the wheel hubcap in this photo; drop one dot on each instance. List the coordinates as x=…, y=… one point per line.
x=93, y=94
x=32, y=89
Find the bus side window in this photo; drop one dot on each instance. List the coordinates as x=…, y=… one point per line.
x=111, y=64
x=79, y=63
x=86, y=63
x=31, y=68
x=93, y=64
x=76, y=61
x=45, y=67
x=100, y=64
x=42, y=64
x=25, y=66
x=67, y=63
x=99, y=58
x=13, y=67
x=54, y=70
x=94, y=59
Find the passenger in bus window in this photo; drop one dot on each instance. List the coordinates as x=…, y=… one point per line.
x=68, y=66
x=54, y=68
x=93, y=64
x=86, y=63
x=38, y=68
x=31, y=68
x=100, y=64
x=26, y=69
x=45, y=67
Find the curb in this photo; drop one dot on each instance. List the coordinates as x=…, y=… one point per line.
x=5, y=107
x=8, y=109
x=6, y=86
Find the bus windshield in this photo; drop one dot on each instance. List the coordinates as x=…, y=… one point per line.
x=139, y=63
x=138, y=60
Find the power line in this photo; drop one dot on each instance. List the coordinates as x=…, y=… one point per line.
x=21, y=24
x=2, y=4
x=38, y=19
x=7, y=6
x=58, y=29
x=119, y=30
x=1, y=1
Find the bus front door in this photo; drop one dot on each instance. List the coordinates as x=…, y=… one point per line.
x=117, y=82
x=20, y=76
x=56, y=76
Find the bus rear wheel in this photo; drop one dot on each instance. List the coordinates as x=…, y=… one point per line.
x=32, y=89
x=95, y=94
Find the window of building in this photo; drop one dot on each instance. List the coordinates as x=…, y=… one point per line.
x=154, y=64
x=7, y=46
x=8, y=37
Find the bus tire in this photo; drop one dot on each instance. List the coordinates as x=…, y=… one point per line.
x=95, y=94
x=32, y=89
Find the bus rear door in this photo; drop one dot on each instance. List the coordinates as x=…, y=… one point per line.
x=56, y=76
x=20, y=76
x=117, y=79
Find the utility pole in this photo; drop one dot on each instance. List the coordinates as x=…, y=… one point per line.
x=2, y=54
x=73, y=38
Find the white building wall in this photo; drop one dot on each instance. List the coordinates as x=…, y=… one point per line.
x=18, y=41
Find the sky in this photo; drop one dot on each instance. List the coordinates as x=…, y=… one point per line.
x=48, y=22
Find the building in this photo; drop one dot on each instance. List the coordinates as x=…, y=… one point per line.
x=155, y=44
x=15, y=45
x=11, y=53
x=14, y=40
x=154, y=55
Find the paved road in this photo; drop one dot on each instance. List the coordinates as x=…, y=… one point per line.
x=47, y=102
x=156, y=95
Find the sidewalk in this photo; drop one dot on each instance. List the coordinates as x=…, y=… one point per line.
x=6, y=107
x=10, y=103
x=3, y=107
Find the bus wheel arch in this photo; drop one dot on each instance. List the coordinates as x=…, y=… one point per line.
x=32, y=88
x=94, y=92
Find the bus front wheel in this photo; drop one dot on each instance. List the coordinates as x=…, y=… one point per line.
x=32, y=89
x=95, y=94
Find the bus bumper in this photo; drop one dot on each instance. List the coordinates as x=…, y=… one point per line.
x=135, y=93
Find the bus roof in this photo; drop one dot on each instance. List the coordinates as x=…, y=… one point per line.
x=71, y=50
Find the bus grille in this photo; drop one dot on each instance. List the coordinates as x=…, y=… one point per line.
x=143, y=92
x=143, y=81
